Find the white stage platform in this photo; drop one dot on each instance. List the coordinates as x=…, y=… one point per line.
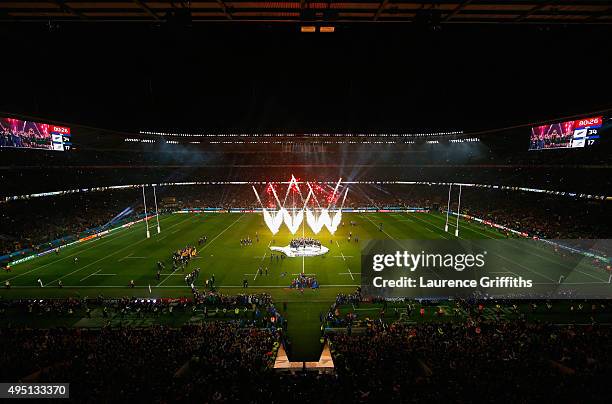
x=308, y=251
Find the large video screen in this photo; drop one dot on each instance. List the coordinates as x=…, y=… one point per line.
x=570, y=134
x=33, y=135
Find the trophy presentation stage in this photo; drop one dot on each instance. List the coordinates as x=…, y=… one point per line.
x=301, y=251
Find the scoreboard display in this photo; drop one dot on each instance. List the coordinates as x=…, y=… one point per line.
x=60, y=137
x=570, y=134
x=16, y=133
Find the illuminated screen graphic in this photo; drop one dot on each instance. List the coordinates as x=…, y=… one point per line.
x=571, y=134
x=33, y=135
x=318, y=208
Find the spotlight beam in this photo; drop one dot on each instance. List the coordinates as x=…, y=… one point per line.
x=344, y=199
x=257, y=196
x=313, y=194
x=334, y=193
x=276, y=196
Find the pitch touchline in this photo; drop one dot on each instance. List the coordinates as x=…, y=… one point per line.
x=80, y=251
x=500, y=256
x=109, y=255
x=172, y=287
x=470, y=228
x=571, y=283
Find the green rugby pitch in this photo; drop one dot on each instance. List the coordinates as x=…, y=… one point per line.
x=107, y=264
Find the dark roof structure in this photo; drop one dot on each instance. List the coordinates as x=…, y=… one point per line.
x=391, y=11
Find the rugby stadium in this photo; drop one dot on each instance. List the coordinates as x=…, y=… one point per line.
x=329, y=202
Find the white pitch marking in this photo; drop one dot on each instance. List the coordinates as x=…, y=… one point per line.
x=349, y=273
x=264, y=257
x=304, y=274
x=121, y=259
x=207, y=244
x=523, y=266
x=78, y=252
x=397, y=242
x=349, y=269
x=180, y=287
x=167, y=277
x=571, y=283
x=109, y=255
x=537, y=255
x=384, y=232
x=90, y=275
x=443, y=234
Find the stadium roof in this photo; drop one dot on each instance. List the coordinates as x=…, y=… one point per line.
x=428, y=12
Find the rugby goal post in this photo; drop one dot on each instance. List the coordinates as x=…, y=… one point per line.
x=144, y=201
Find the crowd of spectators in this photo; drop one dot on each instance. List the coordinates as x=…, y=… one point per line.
x=211, y=299
x=477, y=361
x=208, y=362
x=35, y=223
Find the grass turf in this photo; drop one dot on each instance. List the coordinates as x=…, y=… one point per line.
x=106, y=265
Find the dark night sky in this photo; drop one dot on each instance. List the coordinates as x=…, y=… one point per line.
x=252, y=77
